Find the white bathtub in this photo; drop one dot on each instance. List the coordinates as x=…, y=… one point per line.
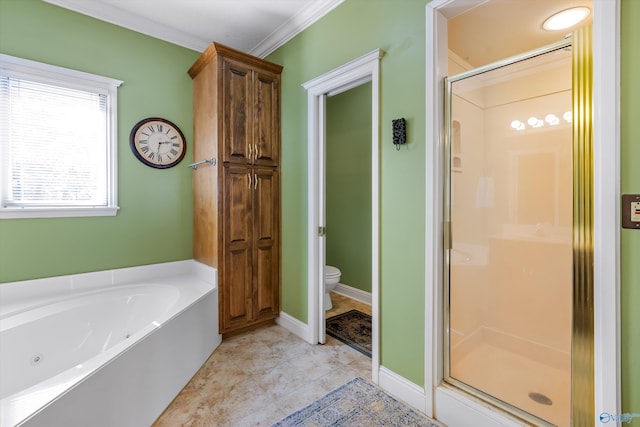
x=110, y=348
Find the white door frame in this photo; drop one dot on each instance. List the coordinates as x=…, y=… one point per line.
x=447, y=403
x=350, y=75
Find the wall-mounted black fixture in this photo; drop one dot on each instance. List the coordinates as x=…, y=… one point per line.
x=399, y=132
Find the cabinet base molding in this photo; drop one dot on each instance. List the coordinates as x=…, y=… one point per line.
x=249, y=328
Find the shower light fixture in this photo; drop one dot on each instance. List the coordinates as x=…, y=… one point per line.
x=551, y=119
x=566, y=18
x=534, y=122
x=517, y=125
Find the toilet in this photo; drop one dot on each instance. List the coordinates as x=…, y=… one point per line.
x=331, y=279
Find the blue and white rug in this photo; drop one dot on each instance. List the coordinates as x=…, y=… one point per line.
x=357, y=403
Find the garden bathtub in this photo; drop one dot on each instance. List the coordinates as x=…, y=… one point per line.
x=104, y=349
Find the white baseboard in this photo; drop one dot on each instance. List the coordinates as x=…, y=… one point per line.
x=295, y=326
x=403, y=389
x=353, y=293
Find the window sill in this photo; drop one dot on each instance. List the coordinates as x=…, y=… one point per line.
x=66, y=212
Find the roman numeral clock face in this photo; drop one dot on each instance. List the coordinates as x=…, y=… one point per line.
x=157, y=143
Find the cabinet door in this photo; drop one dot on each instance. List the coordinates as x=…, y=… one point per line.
x=266, y=232
x=236, y=109
x=266, y=126
x=236, y=287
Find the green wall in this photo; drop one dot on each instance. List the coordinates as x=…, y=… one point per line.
x=154, y=221
x=630, y=184
x=348, y=188
x=354, y=28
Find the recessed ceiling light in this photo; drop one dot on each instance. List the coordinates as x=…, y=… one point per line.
x=566, y=18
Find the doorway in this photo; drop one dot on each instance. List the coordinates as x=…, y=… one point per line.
x=348, y=201
x=364, y=69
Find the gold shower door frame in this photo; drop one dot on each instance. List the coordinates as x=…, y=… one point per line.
x=582, y=328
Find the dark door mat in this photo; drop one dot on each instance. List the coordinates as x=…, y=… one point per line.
x=352, y=328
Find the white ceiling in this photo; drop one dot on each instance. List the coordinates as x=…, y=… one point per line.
x=257, y=27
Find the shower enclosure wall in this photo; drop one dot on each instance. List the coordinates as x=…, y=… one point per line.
x=510, y=257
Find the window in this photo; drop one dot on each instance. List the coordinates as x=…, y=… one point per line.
x=57, y=141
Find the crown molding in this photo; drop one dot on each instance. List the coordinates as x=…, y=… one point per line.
x=277, y=38
x=114, y=15
x=294, y=26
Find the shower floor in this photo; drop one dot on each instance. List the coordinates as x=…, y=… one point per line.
x=511, y=376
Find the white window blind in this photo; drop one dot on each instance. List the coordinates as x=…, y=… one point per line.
x=57, y=142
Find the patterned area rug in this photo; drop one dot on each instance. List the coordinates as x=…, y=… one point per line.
x=357, y=403
x=352, y=328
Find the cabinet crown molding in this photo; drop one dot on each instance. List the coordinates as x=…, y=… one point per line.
x=215, y=49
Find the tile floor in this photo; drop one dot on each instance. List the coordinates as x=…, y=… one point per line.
x=261, y=376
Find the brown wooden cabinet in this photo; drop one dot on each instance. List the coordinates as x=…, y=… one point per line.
x=236, y=103
x=253, y=118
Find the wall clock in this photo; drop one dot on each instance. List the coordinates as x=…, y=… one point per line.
x=157, y=143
